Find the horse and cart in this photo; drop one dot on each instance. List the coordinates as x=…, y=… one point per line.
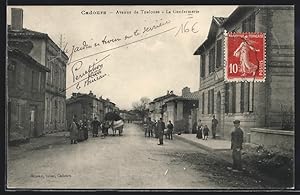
x=115, y=123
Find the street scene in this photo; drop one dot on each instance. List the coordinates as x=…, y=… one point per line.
x=150, y=98
x=126, y=162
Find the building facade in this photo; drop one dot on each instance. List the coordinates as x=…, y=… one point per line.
x=26, y=94
x=182, y=110
x=157, y=108
x=263, y=104
x=42, y=49
x=88, y=106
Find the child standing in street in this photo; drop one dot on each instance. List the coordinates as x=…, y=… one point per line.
x=205, y=132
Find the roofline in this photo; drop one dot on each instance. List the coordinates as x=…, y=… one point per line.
x=29, y=58
x=87, y=95
x=40, y=35
x=164, y=97
x=182, y=99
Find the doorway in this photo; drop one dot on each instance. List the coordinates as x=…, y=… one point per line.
x=33, y=121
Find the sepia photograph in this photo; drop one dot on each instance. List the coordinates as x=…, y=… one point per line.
x=140, y=97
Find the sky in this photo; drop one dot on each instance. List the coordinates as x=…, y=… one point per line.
x=130, y=51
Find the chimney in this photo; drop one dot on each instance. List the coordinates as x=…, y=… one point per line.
x=185, y=91
x=168, y=92
x=16, y=19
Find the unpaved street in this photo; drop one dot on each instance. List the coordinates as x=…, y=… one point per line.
x=129, y=161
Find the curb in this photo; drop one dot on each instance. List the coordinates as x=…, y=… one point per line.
x=216, y=152
x=194, y=143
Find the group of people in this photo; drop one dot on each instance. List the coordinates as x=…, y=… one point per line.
x=79, y=129
x=159, y=129
x=237, y=139
x=203, y=130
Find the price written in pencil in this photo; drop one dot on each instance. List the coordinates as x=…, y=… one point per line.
x=187, y=27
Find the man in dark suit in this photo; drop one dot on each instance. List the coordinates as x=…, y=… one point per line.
x=160, y=128
x=95, y=125
x=237, y=138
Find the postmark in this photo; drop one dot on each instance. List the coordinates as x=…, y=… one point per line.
x=245, y=59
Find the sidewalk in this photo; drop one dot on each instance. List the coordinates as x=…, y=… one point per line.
x=209, y=144
x=221, y=149
x=36, y=143
x=217, y=147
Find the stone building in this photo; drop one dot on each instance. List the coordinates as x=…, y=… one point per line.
x=89, y=106
x=85, y=105
x=42, y=49
x=157, y=109
x=254, y=104
x=26, y=95
x=182, y=110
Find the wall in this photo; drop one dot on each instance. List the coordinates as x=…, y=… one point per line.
x=281, y=64
x=273, y=138
x=55, y=85
x=22, y=98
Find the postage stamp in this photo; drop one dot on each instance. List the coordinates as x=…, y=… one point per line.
x=245, y=59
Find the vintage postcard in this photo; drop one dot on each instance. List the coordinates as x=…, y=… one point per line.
x=138, y=97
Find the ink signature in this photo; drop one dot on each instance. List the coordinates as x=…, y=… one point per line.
x=110, y=39
x=84, y=77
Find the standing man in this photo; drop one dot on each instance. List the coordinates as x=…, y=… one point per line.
x=237, y=136
x=160, y=130
x=214, y=124
x=150, y=127
x=170, y=128
x=155, y=129
x=85, y=128
x=95, y=125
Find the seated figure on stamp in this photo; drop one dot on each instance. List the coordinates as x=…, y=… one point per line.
x=243, y=53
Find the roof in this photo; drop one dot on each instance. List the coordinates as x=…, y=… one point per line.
x=236, y=14
x=216, y=23
x=188, y=97
x=79, y=97
x=32, y=62
x=164, y=97
x=30, y=33
x=26, y=32
x=76, y=98
x=220, y=20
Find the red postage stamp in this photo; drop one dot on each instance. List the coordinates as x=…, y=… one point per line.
x=245, y=57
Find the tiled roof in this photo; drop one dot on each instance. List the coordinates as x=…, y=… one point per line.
x=32, y=62
x=194, y=96
x=26, y=32
x=30, y=33
x=164, y=97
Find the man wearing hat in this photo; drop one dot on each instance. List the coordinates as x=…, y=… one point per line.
x=237, y=136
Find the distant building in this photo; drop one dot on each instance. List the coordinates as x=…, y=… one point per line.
x=85, y=105
x=127, y=116
x=157, y=109
x=26, y=95
x=89, y=106
x=254, y=104
x=109, y=106
x=182, y=110
x=43, y=50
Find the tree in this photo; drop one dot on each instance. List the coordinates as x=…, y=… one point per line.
x=142, y=106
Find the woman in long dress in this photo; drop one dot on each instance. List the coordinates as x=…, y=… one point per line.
x=243, y=53
x=199, y=130
x=73, y=132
